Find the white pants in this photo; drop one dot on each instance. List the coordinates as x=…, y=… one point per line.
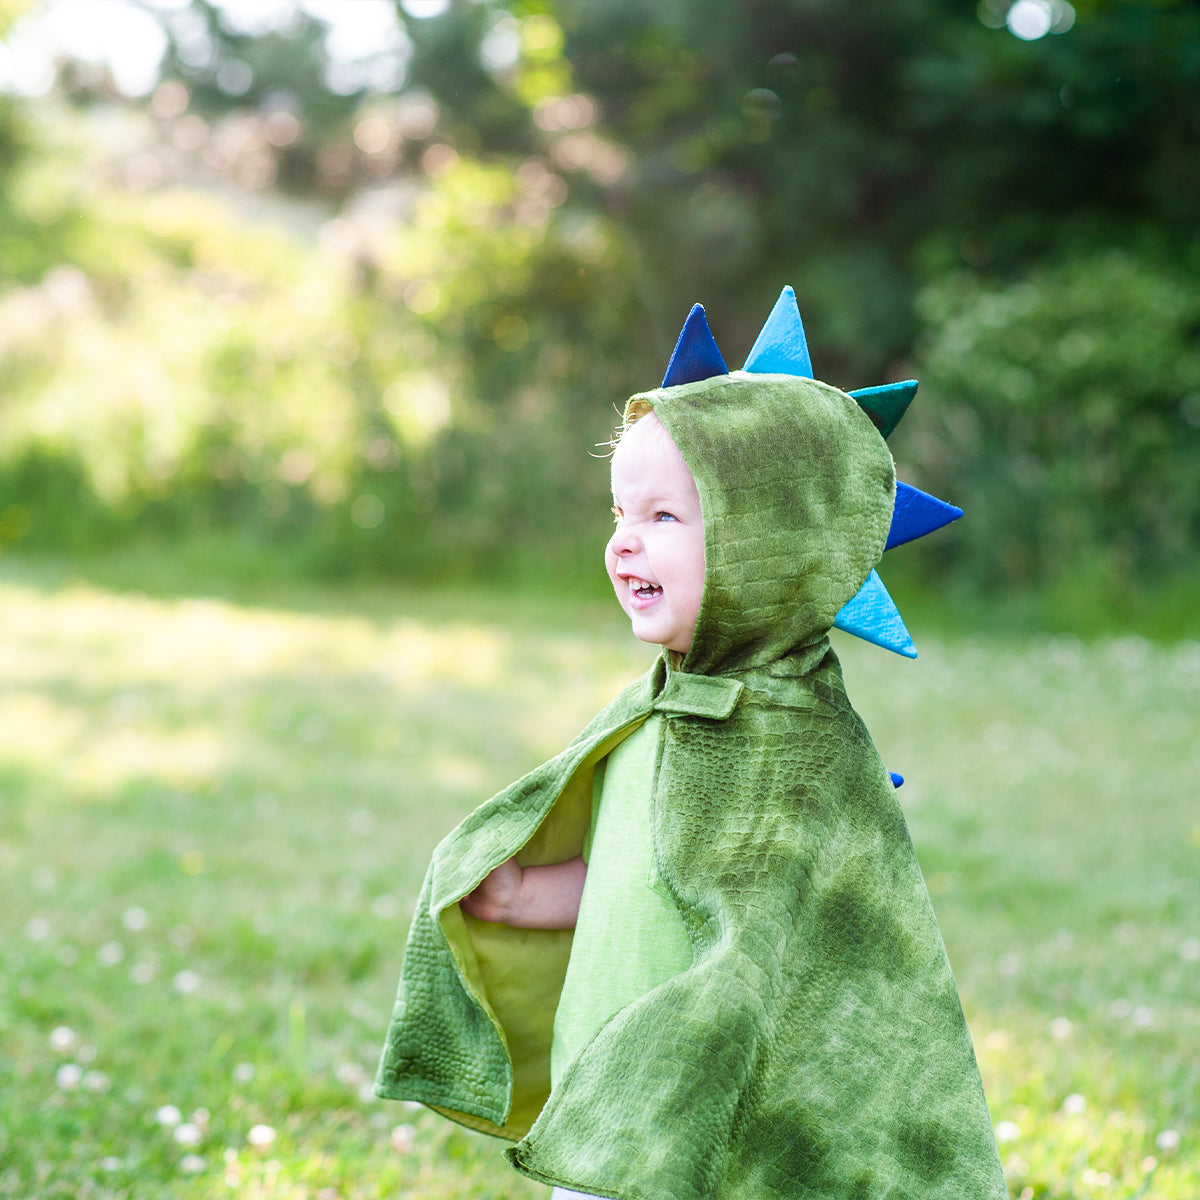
x=563, y=1194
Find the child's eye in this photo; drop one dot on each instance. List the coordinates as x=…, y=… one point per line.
x=665, y=516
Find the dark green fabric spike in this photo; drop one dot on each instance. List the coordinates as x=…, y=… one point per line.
x=815, y=1048
x=887, y=403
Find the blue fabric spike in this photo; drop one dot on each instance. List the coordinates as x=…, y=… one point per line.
x=781, y=347
x=897, y=780
x=917, y=513
x=873, y=616
x=887, y=403
x=695, y=356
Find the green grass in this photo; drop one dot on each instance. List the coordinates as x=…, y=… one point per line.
x=215, y=812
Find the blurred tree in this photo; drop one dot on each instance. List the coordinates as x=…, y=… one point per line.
x=854, y=153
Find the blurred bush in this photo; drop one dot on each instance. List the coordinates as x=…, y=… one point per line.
x=1063, y=412
x=428, y=407
x=427, y=404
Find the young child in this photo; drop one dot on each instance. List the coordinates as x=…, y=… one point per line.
x=692, y=957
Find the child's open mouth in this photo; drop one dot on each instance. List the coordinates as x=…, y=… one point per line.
x=642, y=590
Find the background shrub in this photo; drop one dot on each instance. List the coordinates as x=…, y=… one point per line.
x=1063, y=411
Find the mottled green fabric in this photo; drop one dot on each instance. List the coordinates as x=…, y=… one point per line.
x=816, y=1046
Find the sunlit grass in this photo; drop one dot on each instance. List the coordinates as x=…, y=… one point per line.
x=214, y=817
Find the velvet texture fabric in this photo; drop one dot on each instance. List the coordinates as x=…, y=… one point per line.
x=816, y=1046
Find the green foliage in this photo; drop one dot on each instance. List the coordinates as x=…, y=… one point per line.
x=848, y=153
x=513, y=225
x=216, y=814
x=1063, y=412
x=184, y=374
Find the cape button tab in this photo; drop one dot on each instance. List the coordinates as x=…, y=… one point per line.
x=698, y=696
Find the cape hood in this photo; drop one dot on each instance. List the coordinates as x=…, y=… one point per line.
x=796, y=487
x=816, y=1046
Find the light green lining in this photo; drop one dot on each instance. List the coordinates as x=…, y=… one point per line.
x=517, y=974
x=631, y=936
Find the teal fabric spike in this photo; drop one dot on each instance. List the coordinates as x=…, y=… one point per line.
x=781, y=347
x=917, y=513
x=695, y=356
x=873, y=616
x=887, y=403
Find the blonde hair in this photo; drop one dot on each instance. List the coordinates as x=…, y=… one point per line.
x=635, y=410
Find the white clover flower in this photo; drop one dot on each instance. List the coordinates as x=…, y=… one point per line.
x=190, y=1164
x=110, y=954
x=403, y=1138
x=1007, y=1131
x=38, y=929
x=260, y=1136
x=188, y=1134
x=168, y=1116
x=62, y=1039
x=96, y=1081
x=111, y=1163
x=1189, y=950
x=68, y=1076
x=243, y=1072
x=1143, y=1016
x=142, y=973
x=1060, y=1027
x=186, y=981
x=1074, y=1104
x=1167, y=1141
x=135, y=919
x=350, y=1075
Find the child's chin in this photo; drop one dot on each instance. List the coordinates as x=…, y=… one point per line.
x=652, y=638
x=647, y=635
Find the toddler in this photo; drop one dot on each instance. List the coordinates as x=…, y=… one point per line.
x=692, y=957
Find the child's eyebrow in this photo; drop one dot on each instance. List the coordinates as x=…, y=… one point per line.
x=650, y=497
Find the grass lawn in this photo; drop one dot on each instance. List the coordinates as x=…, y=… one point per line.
x=214, y=816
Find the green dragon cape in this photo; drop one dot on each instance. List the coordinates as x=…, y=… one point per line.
x=816, y=1047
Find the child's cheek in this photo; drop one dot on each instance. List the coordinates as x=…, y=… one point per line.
x=610, y=568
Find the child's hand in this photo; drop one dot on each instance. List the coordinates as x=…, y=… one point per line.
x=529, y=897
x=497, y=896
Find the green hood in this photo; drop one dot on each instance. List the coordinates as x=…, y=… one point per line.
x=796, y=487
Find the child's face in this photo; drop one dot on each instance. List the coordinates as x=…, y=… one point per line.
x=655, y=558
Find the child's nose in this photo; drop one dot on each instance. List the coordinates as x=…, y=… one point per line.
x=623, y=541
